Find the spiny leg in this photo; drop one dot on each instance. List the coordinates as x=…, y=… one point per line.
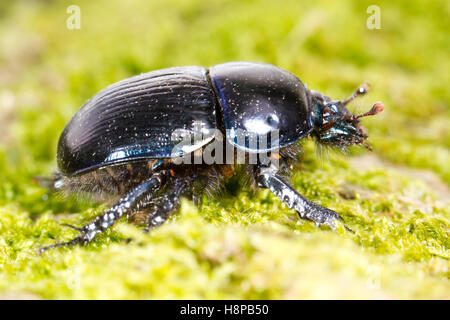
x=267, y=177
x=168, y=204
x=132, y=201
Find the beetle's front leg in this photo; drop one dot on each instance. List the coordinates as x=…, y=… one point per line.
x=267, y=177
x=128, y=204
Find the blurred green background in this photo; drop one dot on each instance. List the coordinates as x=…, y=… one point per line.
x=243, y=245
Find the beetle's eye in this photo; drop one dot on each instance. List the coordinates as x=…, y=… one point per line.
x=329, y=110
x=272, y=120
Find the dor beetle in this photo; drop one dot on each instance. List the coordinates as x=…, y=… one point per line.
x=120, y=144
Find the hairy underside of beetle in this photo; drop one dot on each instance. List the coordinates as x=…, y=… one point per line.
x=111, y=182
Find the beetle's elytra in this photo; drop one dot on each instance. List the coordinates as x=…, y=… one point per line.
x=121, y=141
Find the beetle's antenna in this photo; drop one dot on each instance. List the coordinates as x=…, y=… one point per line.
x=362, y=90
x=377, y=107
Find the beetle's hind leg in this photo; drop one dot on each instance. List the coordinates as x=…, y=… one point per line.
x=168, y=204
x=267, y=177
x=132, y=201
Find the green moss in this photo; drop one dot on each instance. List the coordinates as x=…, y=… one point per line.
x=243, y=244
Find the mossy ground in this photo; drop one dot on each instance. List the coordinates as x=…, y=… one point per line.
x=243, y=245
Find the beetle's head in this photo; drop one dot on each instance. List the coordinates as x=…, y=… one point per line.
x=335, y=125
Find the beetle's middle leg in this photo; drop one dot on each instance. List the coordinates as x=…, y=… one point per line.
x=268, y=177
x=168, y=203
x=132, y=201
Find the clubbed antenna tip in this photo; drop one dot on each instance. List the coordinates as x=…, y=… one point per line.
x=377, y=107
x=362, y=90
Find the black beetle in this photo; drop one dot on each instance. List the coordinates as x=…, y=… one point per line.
x=121, y=142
